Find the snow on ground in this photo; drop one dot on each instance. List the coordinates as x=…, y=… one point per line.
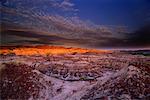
x=114, y=77
x=63, y=90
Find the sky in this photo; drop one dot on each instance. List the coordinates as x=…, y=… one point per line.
x=81, y=23
x=131, y=13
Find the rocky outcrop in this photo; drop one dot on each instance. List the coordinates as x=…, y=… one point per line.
x=75, y=77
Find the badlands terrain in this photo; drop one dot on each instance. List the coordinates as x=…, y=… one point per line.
x=59, y=73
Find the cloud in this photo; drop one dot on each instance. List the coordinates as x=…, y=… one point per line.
x=68, y=30
x=138, y=39
x=67, y=3
x=24, y=37
x=141, y=37
x=28, y=26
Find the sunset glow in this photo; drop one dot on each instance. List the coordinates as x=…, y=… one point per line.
x=46, y=50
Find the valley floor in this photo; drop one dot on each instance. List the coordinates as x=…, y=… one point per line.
x=81, y=76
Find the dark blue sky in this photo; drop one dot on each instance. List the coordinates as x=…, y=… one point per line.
x=131, y=13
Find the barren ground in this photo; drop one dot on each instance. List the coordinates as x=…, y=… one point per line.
x=75, y=76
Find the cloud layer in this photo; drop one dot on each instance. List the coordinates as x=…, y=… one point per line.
x=21, y=25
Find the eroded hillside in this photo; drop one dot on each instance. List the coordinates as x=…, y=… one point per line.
x=74, y=75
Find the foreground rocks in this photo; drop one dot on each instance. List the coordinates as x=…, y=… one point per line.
x=75, y=77
x=19, y=81
x=129, y=83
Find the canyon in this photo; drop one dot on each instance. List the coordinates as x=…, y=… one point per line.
x=67, y=73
